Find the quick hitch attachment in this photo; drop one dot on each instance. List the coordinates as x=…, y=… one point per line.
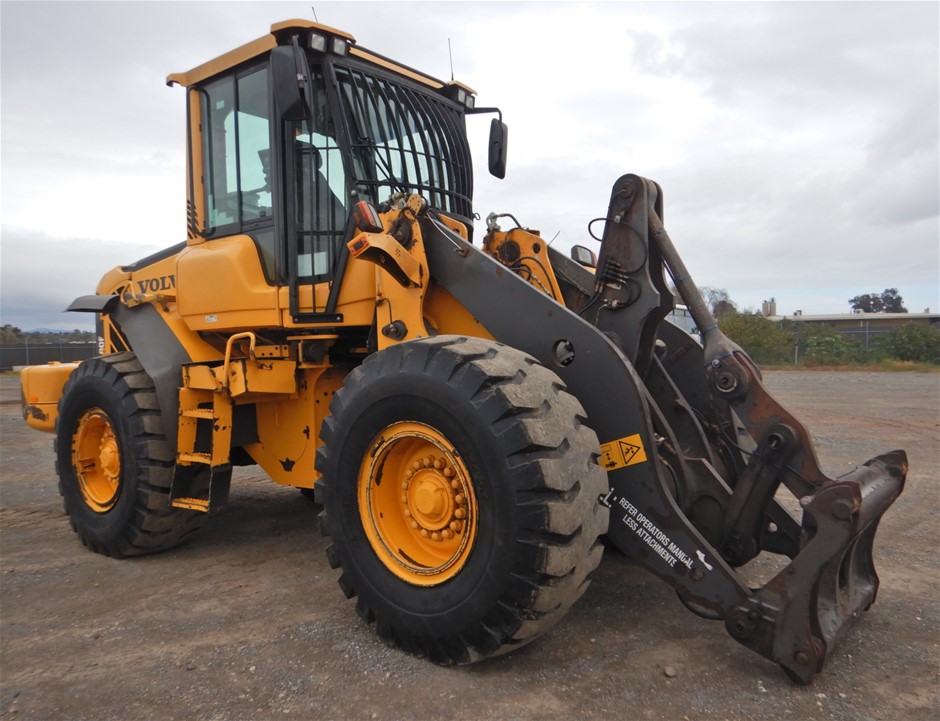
x=797, y=617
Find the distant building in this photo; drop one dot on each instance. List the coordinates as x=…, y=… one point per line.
x=681, y=317
x=863, y=327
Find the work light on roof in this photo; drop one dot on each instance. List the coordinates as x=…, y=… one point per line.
x=465, y=98
x=461, y=95
x=339, y=46
x=317, y=42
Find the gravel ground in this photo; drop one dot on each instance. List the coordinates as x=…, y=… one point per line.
x=246, y=621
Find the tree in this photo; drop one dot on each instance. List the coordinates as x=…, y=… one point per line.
x=868, y=303
x=57, y=337
x=894, y=303
x=717, y=300
x=888, y=301
x=10, y=334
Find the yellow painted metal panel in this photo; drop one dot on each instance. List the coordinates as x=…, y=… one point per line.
x=396, y=68
x=223, y=62
x=200, y=377
x=446, y=315
x=289, y=430
x=222, y=286
x=308, y=25
x=114, y=278
x=356, y=301
x=41, y=389
x=526, y=253
x=264, y=376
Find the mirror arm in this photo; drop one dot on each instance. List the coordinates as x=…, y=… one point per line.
x=479, y=111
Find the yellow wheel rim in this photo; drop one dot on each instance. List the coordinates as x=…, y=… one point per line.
x=96, y=458
x=417, y=503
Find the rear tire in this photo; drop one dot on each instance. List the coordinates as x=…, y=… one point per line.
x=114, y=463
x=460, y=489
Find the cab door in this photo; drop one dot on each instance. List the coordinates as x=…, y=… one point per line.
x=228, y=274
x=316, y=213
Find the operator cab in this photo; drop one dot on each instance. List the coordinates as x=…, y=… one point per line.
x=287, y=133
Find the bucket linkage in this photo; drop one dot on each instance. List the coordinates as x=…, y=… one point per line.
x=719, y=500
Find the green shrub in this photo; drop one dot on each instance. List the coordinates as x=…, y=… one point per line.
x=824, y=345
x=914, y=342
x=763, y=340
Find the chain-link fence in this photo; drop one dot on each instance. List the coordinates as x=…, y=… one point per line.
x=31, y=354
x=805, y=344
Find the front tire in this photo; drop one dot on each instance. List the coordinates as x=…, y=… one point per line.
x=460, y=488
x=114, y=462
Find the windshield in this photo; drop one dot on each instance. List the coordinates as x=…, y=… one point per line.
x=404, y=140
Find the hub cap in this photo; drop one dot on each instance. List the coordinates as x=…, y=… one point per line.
x=96, y=458
x=417, y=503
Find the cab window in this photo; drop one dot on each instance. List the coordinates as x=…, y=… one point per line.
x=237, y=159
x=319, y=187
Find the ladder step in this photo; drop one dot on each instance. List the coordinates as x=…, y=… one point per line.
x=192, y=504
x=199, y=413
x=205, y=458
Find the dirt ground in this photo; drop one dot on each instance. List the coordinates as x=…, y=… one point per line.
x=246, y=620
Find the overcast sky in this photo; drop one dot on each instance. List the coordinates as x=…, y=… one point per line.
x=796, y=143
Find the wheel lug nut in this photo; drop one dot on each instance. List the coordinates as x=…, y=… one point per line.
x=460, y=499
x=455, y=484
x=438, y=464
x=447, y=534
x=404, y=499
x=407, y=513
x=424, y=533
x=435, y=536
x=455, y=526
x=448, y=472
x=460, y=513
x=404, y=485
x=414, y=524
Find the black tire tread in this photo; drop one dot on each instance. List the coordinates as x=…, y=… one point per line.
x=154, y=524
x=552, y=453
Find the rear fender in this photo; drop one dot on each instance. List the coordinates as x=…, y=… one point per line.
x=160, y=351
x=161, y=341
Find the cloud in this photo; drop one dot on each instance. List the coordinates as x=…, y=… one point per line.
x=797, y=143
x=40, y=275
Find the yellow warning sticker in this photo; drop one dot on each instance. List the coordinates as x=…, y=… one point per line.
x=622, y=452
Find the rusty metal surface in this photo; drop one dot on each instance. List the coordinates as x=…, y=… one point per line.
x=797, y=617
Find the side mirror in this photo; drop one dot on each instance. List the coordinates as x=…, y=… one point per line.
x=499, y=136
x=290, y=81
x=584, y=256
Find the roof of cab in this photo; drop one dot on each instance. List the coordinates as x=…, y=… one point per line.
x=266, y=42
x=248, y=51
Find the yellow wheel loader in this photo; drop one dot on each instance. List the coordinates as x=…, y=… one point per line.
x=474, y=420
